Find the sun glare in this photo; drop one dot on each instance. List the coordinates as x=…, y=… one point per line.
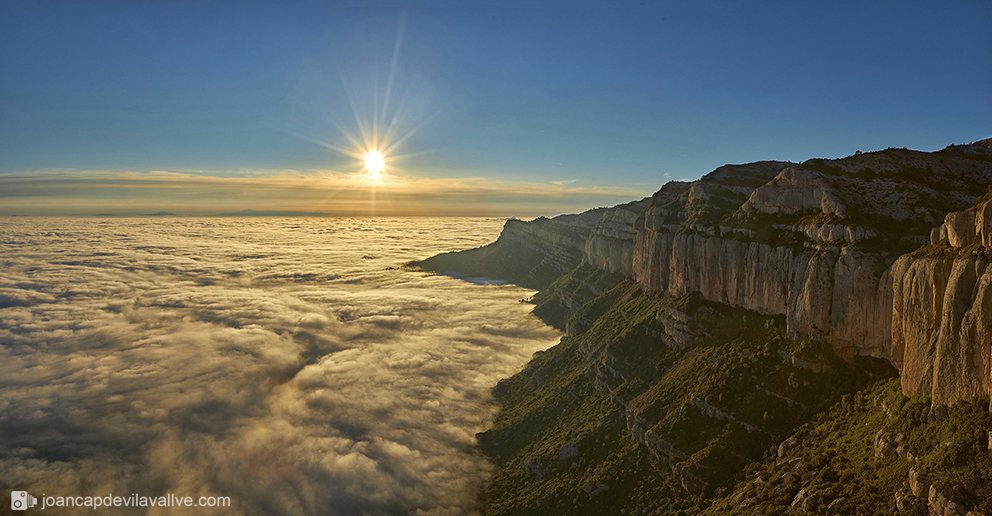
x=374, y=163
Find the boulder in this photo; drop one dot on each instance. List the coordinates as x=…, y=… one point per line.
x=787, y=446
x=534, y=469
x=960, y=228
x=918, y=484
x=567, y=451
x=806, y=499
x=939, y=504
x=594, y=488
x=837, y=505
x=905, y=500
x=954, y=509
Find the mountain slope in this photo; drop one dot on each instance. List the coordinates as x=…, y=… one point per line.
x=707, y=324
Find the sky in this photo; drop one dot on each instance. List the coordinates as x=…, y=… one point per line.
x=495, y=108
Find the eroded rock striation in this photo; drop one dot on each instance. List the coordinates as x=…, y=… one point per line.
x=535, y=253
x=941, y=329
x=819, y=243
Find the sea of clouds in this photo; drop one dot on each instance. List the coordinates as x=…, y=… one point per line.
x=292, y=364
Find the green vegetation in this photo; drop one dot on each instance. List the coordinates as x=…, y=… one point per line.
x=818, y=217
x=713, y=210
x=940, y=251
x=764, y=231
x=568, y=293
x=943, y=251
x=836, y=457
x=552, y=403
x=975, y=251
x=735, y=388
x=718, y=388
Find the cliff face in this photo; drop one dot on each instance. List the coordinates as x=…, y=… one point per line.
x=610, y=244
x=942, y=316
x=817, y=242
x=841, y=294
x=535, y=253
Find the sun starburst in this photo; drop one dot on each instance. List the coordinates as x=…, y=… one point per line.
x=374, y=163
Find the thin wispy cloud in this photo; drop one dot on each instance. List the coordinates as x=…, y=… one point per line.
x=64, y=191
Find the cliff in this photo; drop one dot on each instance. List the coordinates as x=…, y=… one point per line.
x=706, y=324
x=817, y=242
x=814, y=243
x=535, y=253
x=942, y=311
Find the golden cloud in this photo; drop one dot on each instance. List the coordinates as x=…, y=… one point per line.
x=65, y=191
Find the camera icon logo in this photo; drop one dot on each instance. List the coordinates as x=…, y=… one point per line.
x=21, y=500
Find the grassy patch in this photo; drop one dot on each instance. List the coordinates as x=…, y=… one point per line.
x=836, y=457
x=721, y=403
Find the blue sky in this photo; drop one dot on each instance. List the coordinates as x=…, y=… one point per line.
x=599, y=101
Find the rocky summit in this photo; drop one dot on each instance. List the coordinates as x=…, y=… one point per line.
x=773, y=338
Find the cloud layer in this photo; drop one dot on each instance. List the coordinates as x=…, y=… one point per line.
x=288, y=364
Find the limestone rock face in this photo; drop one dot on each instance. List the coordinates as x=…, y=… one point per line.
x=960, y=228
x=930, y=318
x=832, y=232
x=963, y=228
x=610, y=244
x=815, y=242
x=559, y=246
x=983, y=224
x=795, y=190
x=531, y=254
x=840, y=294
x=941, y=336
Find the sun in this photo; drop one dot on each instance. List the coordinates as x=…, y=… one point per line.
x=374, y=163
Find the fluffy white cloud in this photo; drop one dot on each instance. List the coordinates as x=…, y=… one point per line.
x=291, y=364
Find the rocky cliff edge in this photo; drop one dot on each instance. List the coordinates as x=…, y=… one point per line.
x=882, y=254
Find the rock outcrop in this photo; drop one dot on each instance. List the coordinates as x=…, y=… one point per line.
x=531, y=254
x=961, y=229
x=535, y=253
x=837, y=281
x=841, y=294
x=795, y=190
x=941, y=330
x=610, y=244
